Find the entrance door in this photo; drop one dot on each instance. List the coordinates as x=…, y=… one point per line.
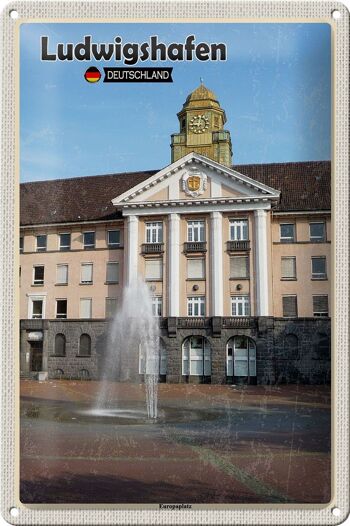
x=196, y=357
x=241, y=360
x=36, y=356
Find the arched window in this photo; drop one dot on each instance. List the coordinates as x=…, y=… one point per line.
x=58, y=374
x=290, y=347
x=85, y=345
x=163, y=358
x=156, y=363
x=241, y=357
x=60, y=345
x=196, y=356
x=322, y=347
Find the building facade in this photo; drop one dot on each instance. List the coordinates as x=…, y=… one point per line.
x=237, y=258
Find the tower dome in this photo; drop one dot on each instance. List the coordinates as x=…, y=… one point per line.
x=202, y=94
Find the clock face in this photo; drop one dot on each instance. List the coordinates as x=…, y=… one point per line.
x=199, y=123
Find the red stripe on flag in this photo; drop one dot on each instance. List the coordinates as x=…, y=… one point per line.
x=92, y=75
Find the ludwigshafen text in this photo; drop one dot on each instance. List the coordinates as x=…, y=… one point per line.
x=130, y=52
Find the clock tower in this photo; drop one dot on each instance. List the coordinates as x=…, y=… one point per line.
x=202, y=130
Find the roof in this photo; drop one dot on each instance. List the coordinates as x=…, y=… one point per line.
x=78, y=199
x=201, y=93
x=303, y=186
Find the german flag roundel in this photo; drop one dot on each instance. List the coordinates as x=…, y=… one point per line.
x=92, y=75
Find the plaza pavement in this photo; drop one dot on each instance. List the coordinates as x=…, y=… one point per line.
x=256, y=444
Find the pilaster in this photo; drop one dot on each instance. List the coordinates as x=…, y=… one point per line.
x=261, y=263
x=216, y=252
x=174, y=265
x=131, y=266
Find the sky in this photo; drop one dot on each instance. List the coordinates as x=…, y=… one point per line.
x=275, y=87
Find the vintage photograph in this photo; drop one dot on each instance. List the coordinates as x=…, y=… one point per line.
x=175, y=263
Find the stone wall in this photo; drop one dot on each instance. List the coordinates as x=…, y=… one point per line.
x=287, y=350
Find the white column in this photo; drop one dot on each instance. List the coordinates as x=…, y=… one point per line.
x=174, y=265
x=216, y=271
x=261, y=263
x=132, y=252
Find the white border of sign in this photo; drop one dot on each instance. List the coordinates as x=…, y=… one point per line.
x=240, y=11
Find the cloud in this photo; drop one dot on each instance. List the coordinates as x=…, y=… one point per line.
x=46, y=135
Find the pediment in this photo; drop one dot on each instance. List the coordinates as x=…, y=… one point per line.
x=195, y=178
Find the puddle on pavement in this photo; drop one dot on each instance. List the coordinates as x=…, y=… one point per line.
x=134, y=414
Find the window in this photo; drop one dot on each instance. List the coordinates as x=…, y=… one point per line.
x=241, y=357
x=111, y=307
x=86, y=273
x=238, y=230
x=155, y=363
x=239, y=267
x=41, y=242
x=64, y=240
x=38, y=275
x=240, y=306
x=36, y=306
x=195, y=231
x=60, y=345
x=112, y=274
x=37, y=309
x=318, y=265
x=62, y=274
x=196, y=268
x=320, y=305
x=196, y=356
x=288, y=267
x=113, y=238
x=289, y=306
x=85, y=307
x=154, y=232
x=61, y=309
x=89, y=240
x=85, y=345
x=157, y=304
x=317, y=232
x=148, y=358
x=153, y=269
x=287, y=233
x=196, y=306
x=163, y=358
x=21, y=244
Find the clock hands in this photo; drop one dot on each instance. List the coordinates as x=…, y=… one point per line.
x=199, y=123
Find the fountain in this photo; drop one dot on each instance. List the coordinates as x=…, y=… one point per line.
x=133, y=349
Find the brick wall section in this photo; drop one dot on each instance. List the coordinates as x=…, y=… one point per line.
x=309, y=363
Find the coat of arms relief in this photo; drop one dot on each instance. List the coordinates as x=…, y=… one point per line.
x=194, y=182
